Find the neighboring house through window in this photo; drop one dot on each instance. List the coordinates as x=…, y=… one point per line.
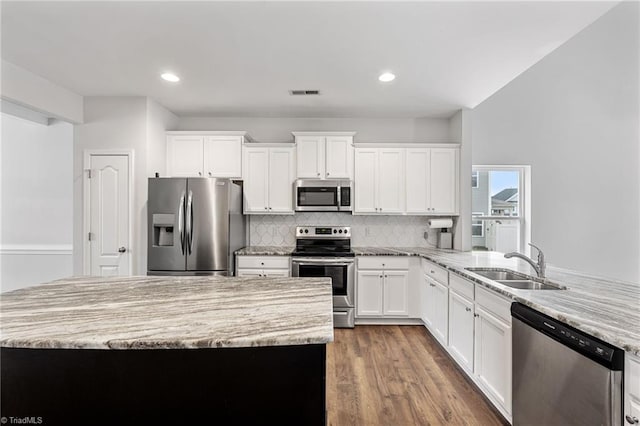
x=500, y=208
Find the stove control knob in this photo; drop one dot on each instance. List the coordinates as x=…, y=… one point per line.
x=301, y=231
x=335, y=231
x=340, y=231
x=346, y=231
x=306, y=231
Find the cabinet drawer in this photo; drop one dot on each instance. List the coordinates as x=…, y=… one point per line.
x=281, y=262
x=633, y=385
x=461, y=286
x=497, y=305
x=436, y=272
x=386, y=262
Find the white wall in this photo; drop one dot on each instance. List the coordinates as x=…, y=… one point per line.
x=37, y=199
x=573, y=117
x=130, y=123
x=26, y=88
x=434, y=130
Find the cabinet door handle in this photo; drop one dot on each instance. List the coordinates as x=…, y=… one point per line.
x=431, y=285
x=476, y=315
x=633, y=420
x=433, y=272
x=468, y=309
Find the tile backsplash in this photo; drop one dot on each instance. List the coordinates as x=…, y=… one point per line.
x=373, y=231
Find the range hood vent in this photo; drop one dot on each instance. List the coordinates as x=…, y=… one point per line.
x=304, y=92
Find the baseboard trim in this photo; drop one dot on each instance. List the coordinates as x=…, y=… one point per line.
x=389, y=321
x=36, y=249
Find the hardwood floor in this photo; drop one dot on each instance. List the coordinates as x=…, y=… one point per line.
x=397, y=376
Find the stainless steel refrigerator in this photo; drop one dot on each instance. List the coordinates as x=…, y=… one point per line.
x=194, y=226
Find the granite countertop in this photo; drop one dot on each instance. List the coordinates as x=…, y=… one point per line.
x=605, y=308
x=168, y=313
x=265, y=251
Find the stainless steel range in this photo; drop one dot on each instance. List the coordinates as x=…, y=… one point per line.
x=325, y=251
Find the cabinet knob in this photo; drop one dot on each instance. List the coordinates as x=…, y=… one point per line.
x=468, y=309
x=210, y=174
x=122, y=250
x=199, y=173
x=476, y=315
x=632, y=419
x=380, y=276
x=431, y=285
x=262, y=263
x=433, y=272
x=327, y=173
x=318, y=173
x=266, y=208
x=270, y=208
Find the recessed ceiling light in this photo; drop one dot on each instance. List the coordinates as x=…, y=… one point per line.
x=170, y=77
x=386, y=77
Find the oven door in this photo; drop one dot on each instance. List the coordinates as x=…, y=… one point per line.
x=340, y=270
x=316, y=196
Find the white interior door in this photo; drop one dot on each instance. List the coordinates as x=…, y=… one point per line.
x=109, y=245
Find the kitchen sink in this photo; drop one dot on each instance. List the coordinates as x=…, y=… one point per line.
x=515, y=279
x=498, y=274
x=528, y=285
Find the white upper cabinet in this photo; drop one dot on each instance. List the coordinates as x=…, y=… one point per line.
x=339, y=157
x=223, y=156
x=432, y=180
x=208, y=154
x=324, y=155
x=184, y=156
x=310, y=153
x=390, y=180
x=379, y=180
x=269, y=172
x=366, y=182
x=443, y=168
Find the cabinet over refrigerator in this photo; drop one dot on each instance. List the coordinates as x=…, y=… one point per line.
x=194, y=226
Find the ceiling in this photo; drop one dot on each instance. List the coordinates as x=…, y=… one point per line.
x=242, y=58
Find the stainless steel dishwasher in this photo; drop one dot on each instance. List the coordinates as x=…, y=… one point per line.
x=562, y=376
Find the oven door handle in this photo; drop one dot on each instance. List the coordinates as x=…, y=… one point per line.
x=308, y=261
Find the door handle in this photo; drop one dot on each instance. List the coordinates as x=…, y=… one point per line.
x=189, y=222
x=181, y=222
x=122, y=250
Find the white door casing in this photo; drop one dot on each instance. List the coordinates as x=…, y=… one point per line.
x=107, y=213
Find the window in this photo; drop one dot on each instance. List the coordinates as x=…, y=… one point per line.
x=477, y=226
x=498, y=220
x=474, y=179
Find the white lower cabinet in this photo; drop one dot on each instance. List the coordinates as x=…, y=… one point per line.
x=492, y=359
x=632, y=389
x=263, y=266
x=384, y=291
x=461, y=326
x=474, y=325
x=369, y=294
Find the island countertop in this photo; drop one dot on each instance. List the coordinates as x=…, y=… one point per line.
x=168, y=313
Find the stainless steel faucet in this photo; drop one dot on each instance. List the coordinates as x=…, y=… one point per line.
x=539, y=267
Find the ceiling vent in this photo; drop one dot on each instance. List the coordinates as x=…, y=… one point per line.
x=304, y=92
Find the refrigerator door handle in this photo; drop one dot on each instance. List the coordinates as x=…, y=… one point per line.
x=181, y=222
x=189, y=222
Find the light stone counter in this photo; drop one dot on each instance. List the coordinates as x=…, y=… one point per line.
x=168, y=313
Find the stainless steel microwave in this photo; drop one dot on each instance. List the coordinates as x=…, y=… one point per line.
x=315, y=195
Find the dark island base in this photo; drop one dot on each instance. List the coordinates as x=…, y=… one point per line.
x=279, y=385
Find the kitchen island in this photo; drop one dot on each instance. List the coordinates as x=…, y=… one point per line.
x=162, y=350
